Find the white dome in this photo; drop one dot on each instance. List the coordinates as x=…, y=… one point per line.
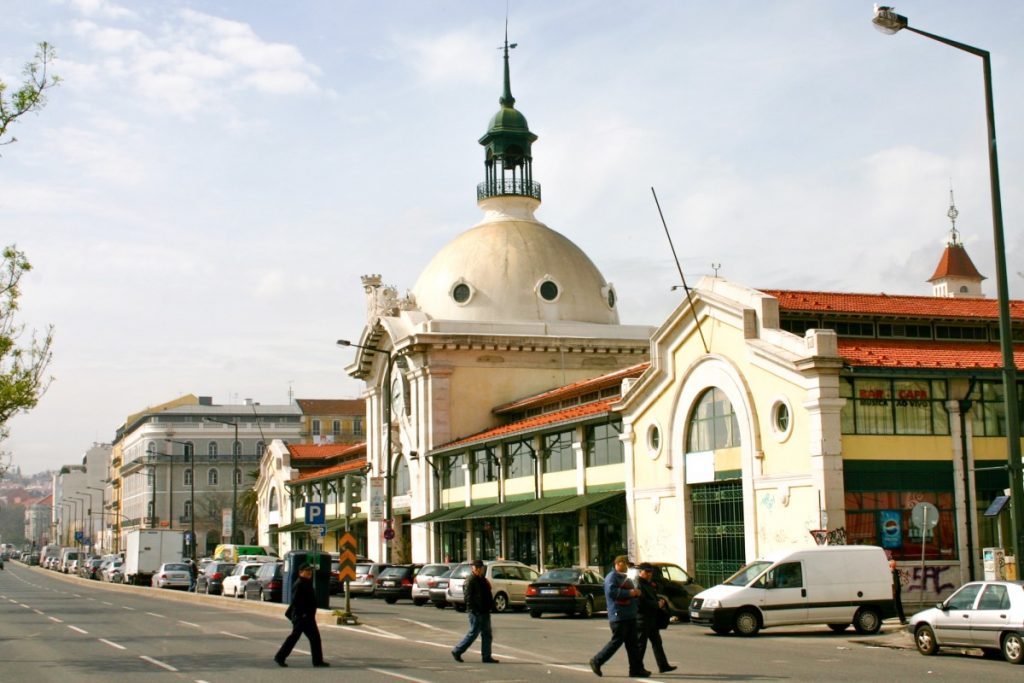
x=513, y=268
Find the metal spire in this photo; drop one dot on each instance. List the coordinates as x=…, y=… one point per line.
x=954, y=234
x=506, y=97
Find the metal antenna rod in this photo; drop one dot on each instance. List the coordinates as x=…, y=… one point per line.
x=682, y=277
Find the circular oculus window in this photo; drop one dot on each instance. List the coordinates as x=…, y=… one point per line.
x=548, y=290
x=653, y=441
x=782, y=419
x=461, y=293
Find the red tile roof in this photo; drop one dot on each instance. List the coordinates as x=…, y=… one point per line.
x=538, y=421
x=350, y=465
x=892, y=305
x=955, y=263
x=341, y=406
x=308, y=451
x=586, y=386
x=925, y=354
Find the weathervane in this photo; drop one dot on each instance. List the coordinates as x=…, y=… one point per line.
x=716, y=267
x=954, y=234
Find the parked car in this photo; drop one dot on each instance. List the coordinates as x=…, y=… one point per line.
x=91, y=569
x=509, y=580
x=172, y=575
x=395, y=582
x=366, y=578
x=425, y=579
x=266, y=585
x=675, y=585
x=211, y=580
x=115, y=567
x=570, y=590
x=439, y=591
x=984, y=614
x=234, y=583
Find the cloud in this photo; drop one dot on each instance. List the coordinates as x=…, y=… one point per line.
x=450, y=59
x=102, y=8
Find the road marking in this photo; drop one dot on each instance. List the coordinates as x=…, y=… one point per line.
x=369, y=630
x=107, y=642
x=38, y=612
x=154, y=614
x=76, y=595
x=59, y=621
x=420, y=623
x=302, y=652
x=234, y=635
x=80, y=630
x=568, y=668
x=397, y=675
x=126, y=607
x=157, y=662
x=21, y=604
x=427, y=642
x=107, y=603
x=188, y=623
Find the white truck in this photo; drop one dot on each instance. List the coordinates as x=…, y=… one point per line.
x=147, y=549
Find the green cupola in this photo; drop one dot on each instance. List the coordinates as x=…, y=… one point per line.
x=508, y=162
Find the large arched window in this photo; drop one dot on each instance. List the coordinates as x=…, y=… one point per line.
x=401, y=477
x=272, y=507
x=188, y=476
x=188, y=509
x=713, y=423
x=212, y=477
x=211, y=448
x=238, y=477
x=260, y=447
x=237, y=448
x=151, y=449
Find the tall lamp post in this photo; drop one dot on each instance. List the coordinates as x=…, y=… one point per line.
x=189, y=450
x=80, y=512
x=387, y=438
x=235, y=447
x=887, y=21
x=102, y=502
x=66, y=507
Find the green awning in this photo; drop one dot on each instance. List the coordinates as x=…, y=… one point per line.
x=463, y=513
x=574, y=503
x=433, y=516
x=294, y=526
x=481, y=511
x=339, y=524
x=536, y=506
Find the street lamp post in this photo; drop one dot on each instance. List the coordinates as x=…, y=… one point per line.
x=66, y=507
x=102, y=504
x=235, y=447
x=887, y=21
x=189, y=449
x=387, y=438
x=79, y=512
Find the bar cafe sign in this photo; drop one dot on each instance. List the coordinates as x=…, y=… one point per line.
x=904, y=397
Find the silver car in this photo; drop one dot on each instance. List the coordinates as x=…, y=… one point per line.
x=426, y=578
x=509, y=581
x=172, y=575
x=982, y=614
x=366, y=578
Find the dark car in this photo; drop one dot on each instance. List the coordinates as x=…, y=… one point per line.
x=439, y=589
x=569, y=590
x=211, y=579
x=267, y=584
x=675, y=585
x=395, y=582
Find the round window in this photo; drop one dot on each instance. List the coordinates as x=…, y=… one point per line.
x=548, y=290
x=611, y=298
x=653, y=441
x=461, y=293
x=782, y=419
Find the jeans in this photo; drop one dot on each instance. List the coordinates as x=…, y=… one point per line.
x=479, y=625
x=623, y=633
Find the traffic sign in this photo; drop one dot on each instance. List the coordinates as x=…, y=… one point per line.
x=347, y=558
x=316, y=513
x=323, y=531
x=389, y=533
x=924, y=516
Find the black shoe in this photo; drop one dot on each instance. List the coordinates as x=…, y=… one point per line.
x=492, y=660
x=279, y=662
x=667, y=669
x=595, y=667
x=456, y=656
x=641, y=674
x=321, y=663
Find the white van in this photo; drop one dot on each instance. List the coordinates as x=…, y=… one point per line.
x=835, y=585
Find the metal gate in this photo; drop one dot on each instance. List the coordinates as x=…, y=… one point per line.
x=718, y=534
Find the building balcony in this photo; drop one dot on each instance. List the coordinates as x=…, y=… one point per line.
x=508, y=188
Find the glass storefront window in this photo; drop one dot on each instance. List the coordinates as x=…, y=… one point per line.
x=452, y=472
x=603, y=444
x=484, y=464
x=606, y=532
x=883, y=518
x=519, y=459
x=487, y=538
x=558, y=454
x=453, y=541
x=713, y=423
x=988, y=414
x=522, y=539
x=880, y=405
x=561, y=540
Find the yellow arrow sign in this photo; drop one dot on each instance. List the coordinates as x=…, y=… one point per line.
x=347, y=558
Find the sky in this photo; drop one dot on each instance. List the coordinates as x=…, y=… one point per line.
x=202, y=193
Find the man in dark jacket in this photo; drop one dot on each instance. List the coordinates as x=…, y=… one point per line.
x=621, y=596
x=649, y=611
x=479, y=602
x=302, y=612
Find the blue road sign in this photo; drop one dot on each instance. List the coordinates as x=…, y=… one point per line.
x=316, y=513
x=79, y=536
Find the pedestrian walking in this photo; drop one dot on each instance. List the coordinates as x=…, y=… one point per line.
x=897, y=591
x=193, y=573
x=650, y=617
x=479, y=602
x=621, y=596
x=302, y=613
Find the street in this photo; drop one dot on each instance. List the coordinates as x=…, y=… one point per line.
x=58, y=628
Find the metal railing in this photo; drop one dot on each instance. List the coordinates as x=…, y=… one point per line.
x=508, y=188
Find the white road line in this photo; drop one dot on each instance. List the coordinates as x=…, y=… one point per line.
x=80, y=630
x=369, y=631
x=234, y=635
x=154, y=614
x=397, y=675
x=21, y=604
x=12, y=600
x=108, y=603
x=38, y=612
x=569, y=668
x=157, y=662
x=427, y=642
x=126, y=607
x=188, y=623
x=107, y=642
x=59, y=621
x=302, y=652
x=76, y=595
x=420, y=623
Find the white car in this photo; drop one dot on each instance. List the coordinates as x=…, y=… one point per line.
x=983, y=614
x=172, y=575
x=234, y=584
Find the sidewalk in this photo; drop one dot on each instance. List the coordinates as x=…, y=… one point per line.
x=892, y=635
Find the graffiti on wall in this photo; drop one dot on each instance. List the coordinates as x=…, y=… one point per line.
x=934, y=580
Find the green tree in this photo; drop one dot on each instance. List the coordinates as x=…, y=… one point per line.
x=31, y=96
x=23, y=379
x=247, y=503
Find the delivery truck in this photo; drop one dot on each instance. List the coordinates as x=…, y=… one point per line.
x=147, y=549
